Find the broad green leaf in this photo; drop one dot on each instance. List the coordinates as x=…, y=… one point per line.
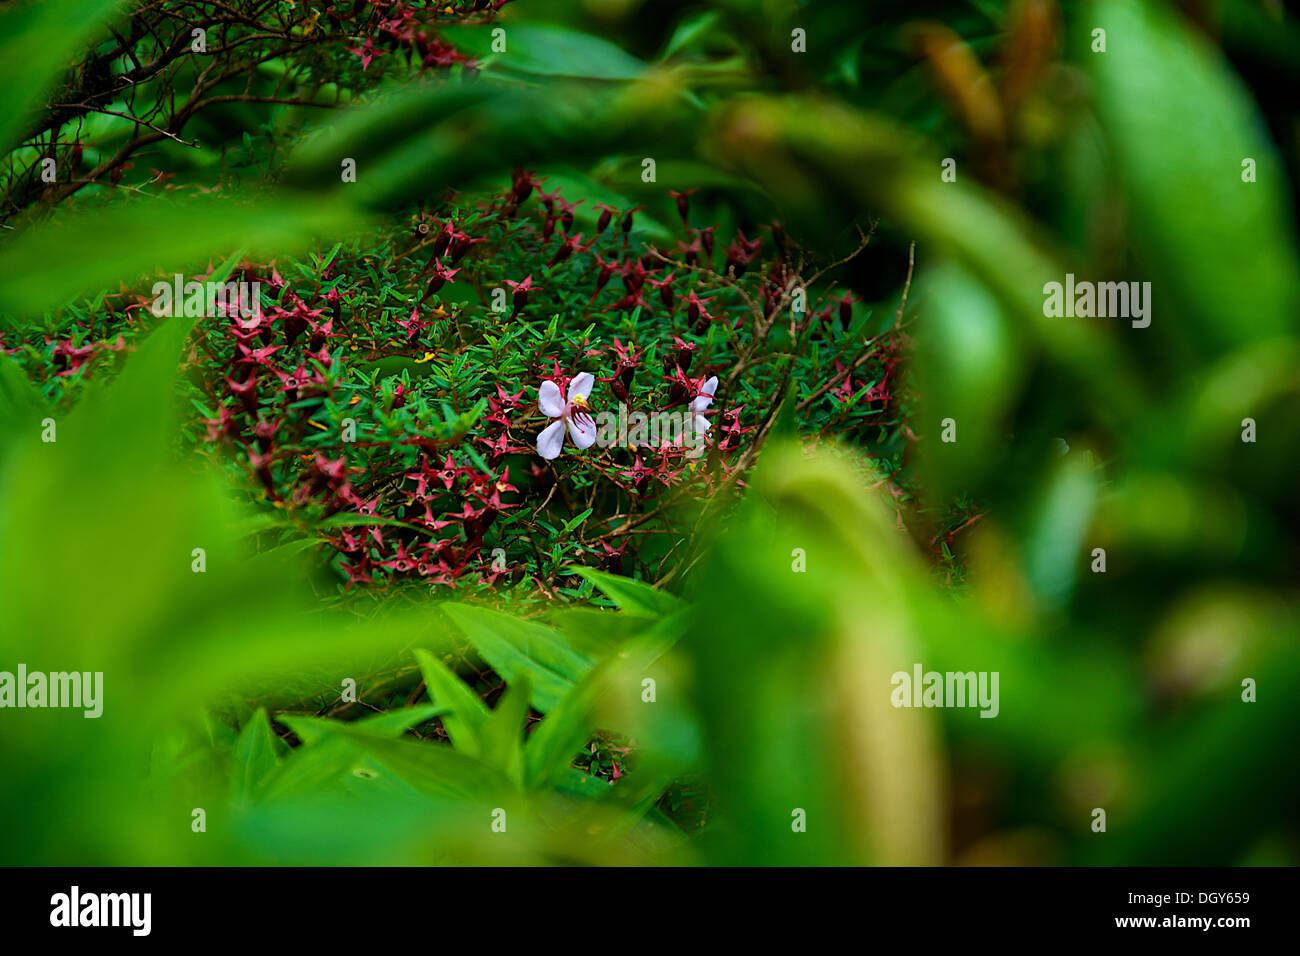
x=567, y=727
x=392, y=723
x=128, y=242
x=110, y=507
x=422, y=140
x=327, y=765
x=1060, y=521
x=969, y=357
x=597, y=632
x=814, y=645
x=583, y=785
x=255, y=758
x=395, y=723
x=1220, y=252
x=631, y=596
x=38, y=41
x=562, y=733
x=548, y=50
x=514, y=648
x=435, y=769
x=22, y=407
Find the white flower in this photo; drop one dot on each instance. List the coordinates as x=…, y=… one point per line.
x=582, y=428
x=701, y=402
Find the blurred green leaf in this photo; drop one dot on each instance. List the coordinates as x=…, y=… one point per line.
x=38, y=41
x=123, y=242
x=1221, y=251
x=547, y=50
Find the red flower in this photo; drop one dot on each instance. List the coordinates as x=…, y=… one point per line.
x=366, y=51
x=521, y=290
x=683, y=203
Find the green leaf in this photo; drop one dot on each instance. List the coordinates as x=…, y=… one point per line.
x=434, y=769
x=333, y=758
x=464, y=715
x=566, y=728
x=692, y=28
x=579, y=519
x=1059, y=527
x=547, y=50
x=631, y=596
x=255, y=758
x=515, y=648
x=396, y=365
x=38, y=41
x=322, y=766
x=22, y=407
x=502, y=736
x=125, y=242
x=968, y=357
x=581, y=784
x=1221, y=251
x=392, y=723
x=351, y=520
x=595, y=631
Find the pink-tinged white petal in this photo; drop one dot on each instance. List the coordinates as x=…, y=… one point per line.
x=582, y=429
x=581, y=385
x=705, y=398
x=549, y=401
x=551, y=439
x=701, y=424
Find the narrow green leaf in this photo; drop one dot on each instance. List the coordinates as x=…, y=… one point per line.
x=502, y=736
x=463, y=714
